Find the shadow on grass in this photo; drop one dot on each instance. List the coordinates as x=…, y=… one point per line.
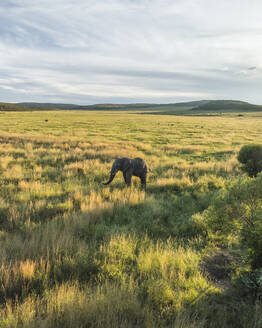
x=153, y=217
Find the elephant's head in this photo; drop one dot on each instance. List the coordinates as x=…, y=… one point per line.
x=120, y=164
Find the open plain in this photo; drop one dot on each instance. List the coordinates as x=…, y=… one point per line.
x=75, y=253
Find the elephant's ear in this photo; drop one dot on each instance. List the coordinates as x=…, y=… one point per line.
x=126, y=164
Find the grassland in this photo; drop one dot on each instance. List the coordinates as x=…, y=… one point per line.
x=74, y=253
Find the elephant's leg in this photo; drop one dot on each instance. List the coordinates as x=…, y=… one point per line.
x=127, y=177
x=143, y=181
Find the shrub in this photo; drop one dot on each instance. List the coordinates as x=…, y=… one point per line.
x=252, y=282
x=251, y=158
x=237, y=211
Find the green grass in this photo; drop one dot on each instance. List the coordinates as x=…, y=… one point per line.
x=76, y=253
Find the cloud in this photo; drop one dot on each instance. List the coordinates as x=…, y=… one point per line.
x=130, y=50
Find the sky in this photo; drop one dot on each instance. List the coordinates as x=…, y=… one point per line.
x=130, y=51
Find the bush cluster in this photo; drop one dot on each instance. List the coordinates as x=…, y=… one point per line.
x=237, y=213
x=251, y=158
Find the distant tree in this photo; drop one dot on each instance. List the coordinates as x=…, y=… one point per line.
x=251, y=158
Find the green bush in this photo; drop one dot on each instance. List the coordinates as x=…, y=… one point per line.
x=252, y=238
x=252, y=282
x=237, y=213
x=251, y=158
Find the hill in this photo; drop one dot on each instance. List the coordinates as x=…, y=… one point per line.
x=181, y=108
x=171, y=108
x=23, y=107
x=11, y=107
x=135, y=106
x=227, y=106
x=47, y=106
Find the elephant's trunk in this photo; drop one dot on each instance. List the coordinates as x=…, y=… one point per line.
x=112, y=175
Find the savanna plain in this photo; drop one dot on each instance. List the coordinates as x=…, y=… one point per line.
x=76, y=253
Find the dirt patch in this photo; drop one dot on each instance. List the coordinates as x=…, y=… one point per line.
x=218, y=265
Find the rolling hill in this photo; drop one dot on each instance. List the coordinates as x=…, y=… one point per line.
x=181, y=108
x=227, y=106
x=11, y=107
x=135, y=106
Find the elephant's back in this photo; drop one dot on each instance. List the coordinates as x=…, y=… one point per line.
x=139, y=160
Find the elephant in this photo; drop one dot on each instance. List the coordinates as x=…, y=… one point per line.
x=129, y=167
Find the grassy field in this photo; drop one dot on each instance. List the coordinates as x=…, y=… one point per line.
x=76, y=253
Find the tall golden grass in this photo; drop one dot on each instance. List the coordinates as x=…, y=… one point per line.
x=75, y=253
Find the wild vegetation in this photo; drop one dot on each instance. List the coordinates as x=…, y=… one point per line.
x=76, y=253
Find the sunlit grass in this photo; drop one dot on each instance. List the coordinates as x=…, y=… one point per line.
x=72, y=248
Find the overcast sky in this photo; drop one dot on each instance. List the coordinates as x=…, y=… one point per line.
x=122, y=51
